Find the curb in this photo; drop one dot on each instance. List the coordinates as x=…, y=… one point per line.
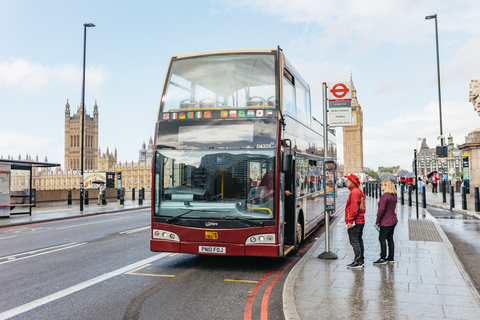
x=288, y=295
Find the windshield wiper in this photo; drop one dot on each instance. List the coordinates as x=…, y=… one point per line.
x=250, y=222
x=190, y=210
x=162, y=146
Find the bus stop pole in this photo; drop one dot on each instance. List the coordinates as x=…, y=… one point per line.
x=328, y=255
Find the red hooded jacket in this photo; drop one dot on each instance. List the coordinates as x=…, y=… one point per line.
x=355, y=208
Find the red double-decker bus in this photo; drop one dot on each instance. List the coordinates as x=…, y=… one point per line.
x=234, y=138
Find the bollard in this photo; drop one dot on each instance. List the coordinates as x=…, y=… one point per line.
x=140, y=196
x=464, y=197
x=452, y=199
x=477, y=203
x=409, y=195
x=133, y=193
x=104, y=197
x=122, y=197
x=444, y=192
x=69, y=201
x=87, y=201
x=376, y=190
x=424, y=198
x=402, y=197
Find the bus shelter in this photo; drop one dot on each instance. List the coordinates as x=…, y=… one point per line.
x=6, y=167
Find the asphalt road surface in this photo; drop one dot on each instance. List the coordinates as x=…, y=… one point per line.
x=101, y=267
x=464, y=233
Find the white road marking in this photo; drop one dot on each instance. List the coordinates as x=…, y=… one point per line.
x=7, y=237
x=86, y=224
x=63, y=293
x=39, y=252
x=135, y=230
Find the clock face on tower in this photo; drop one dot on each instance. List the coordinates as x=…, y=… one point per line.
x=353, y=119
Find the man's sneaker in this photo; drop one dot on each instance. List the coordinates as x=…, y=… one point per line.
x=390, y=260
x=355, y=264
x=380, y=261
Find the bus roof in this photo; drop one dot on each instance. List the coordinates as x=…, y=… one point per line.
x=225, y=51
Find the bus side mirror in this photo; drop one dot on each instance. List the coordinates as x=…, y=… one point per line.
x=287, y=160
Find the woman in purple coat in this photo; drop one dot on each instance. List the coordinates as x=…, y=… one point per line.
x=387, y=220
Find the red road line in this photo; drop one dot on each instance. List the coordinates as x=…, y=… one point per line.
x=266, y=295
x=251, y=296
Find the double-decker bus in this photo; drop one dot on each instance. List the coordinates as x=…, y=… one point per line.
x=238, y=159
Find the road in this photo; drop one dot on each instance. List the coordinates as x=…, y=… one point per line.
x=464, y=233
x=100, y=267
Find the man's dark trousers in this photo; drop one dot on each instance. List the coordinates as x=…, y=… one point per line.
x=355, y=235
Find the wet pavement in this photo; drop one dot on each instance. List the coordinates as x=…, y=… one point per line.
x=426, y=281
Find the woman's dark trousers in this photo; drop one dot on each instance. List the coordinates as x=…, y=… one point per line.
x=386, y=235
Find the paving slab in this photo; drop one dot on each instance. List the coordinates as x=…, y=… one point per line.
x=426, y=281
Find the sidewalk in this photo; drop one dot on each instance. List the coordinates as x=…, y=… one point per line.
x=436, y=200
x=60, y=210
x=427, y=280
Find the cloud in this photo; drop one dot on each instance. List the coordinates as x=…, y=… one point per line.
x=392, y=142
x=14, y=143
x=29, y=76
x=23, y=74
x=369, y=22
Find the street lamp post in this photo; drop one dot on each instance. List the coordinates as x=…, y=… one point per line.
x=434, y=16
x=85, y=26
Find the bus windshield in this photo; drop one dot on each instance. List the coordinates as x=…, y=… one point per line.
x=221, y=81
x=212, y=184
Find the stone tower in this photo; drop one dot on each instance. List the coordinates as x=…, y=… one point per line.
x=73, y=134
x=353, y=138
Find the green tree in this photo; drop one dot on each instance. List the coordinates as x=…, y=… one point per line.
x=373, y=174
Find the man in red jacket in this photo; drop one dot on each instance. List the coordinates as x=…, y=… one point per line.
x=355, y=219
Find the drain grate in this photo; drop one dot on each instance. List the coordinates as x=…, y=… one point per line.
x=423, y=230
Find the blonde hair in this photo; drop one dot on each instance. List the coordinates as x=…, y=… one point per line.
x=389, y=187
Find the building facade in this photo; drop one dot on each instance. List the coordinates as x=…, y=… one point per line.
x=134, y=174
x=427, y=160
x=73, y=135
x=353, y=138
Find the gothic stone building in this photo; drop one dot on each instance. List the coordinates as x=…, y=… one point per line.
x=353, y=138
x=134, y=174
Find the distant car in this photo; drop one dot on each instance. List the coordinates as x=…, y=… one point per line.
x=342, y=182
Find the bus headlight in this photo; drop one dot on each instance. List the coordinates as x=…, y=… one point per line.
x=266, y=238
x=165, y=235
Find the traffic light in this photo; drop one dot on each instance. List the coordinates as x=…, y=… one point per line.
x=442, y=152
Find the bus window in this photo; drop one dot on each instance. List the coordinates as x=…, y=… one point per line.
x=230, y=80
x=215, y=184
x=302, y=103
x=288, y=97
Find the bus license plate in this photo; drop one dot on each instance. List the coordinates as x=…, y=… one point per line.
x=205, y=249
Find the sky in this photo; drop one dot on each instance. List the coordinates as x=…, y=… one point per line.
x=387, y=47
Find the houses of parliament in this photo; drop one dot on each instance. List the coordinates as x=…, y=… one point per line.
x=134, y=174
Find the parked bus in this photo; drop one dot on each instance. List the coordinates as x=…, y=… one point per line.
x=234, y=136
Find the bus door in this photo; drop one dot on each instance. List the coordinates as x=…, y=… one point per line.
x=289, y=203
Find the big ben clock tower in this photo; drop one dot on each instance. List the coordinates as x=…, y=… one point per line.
x=353, y=138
